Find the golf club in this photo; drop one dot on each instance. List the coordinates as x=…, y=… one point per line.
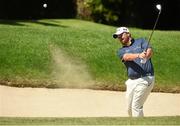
x=158, y=6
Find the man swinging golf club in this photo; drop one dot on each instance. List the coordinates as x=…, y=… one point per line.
x=136, y=55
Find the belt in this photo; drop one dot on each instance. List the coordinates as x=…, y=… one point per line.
x=140, y=76
x=133, y=78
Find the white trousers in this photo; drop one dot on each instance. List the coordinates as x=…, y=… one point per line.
x=137, y=91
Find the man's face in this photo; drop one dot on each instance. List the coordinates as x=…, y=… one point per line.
x=124, y=38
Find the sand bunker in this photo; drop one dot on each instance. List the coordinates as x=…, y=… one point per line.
x=41, y=102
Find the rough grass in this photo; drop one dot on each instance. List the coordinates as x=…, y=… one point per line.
x=26, y=56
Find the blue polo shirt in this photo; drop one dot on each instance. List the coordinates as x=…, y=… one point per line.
x=135, y=69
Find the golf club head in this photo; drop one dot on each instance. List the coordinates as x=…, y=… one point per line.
x=159, y=7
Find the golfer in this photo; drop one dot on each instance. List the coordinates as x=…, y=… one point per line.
x=140, y=75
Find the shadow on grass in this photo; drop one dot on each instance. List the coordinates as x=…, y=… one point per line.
x=49, y=23
x=10, y=22
x=20, y=23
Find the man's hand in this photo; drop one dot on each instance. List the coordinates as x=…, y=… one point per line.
x=146, y=54
x=142, y=55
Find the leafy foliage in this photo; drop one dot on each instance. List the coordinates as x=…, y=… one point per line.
x=109, y=11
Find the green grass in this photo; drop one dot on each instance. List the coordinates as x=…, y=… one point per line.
x=91, y=121
x=26, y=59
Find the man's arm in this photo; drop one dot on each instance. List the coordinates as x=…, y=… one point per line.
x=130, y=56
x=133, y=56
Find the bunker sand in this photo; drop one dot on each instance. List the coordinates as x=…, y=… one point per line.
x=42, y=102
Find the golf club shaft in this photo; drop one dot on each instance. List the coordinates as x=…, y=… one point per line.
x=144, y=60
x=153, y=30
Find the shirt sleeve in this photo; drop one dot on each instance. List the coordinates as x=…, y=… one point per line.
x=121, y=53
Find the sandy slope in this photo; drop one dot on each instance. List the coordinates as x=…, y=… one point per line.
x=38, y=102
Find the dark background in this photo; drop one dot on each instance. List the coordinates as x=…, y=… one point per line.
x=169, y=18
x=135, y=13
x=33, y=9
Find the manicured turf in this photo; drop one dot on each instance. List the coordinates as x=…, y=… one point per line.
x=92, y=121
x=26, y=54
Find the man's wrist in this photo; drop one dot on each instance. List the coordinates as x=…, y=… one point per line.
x=138, y=55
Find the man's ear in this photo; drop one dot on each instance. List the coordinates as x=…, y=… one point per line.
x=129, y=34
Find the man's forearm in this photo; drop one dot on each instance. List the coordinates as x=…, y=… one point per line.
x=133, y=56
x=130, y=56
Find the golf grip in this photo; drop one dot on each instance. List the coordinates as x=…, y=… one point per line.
x=143, y=61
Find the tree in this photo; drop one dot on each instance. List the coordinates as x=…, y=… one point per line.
x=137, y=13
